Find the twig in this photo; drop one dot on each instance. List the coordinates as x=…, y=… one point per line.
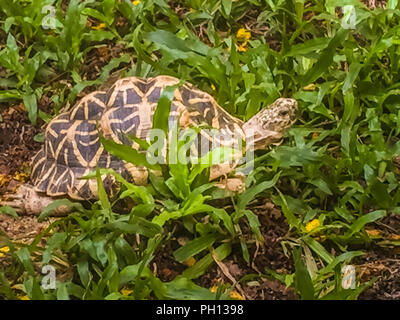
x=226, y=272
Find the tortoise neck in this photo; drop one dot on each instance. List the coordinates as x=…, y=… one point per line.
x=258, y=139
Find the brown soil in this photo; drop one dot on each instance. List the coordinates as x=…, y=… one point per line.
x=17, y=145
x=384, y=265
x=22, y=229
x=382, y=261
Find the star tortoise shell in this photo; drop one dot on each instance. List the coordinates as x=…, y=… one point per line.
x=72, y=147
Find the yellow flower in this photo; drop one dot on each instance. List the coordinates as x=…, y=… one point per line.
x=190, y=262
x=5, y=249
x=213, y=87
x=135, y=2
x=312, y=225
x=1, y=255
x=4, y=179
x=236, y=295
x=21, y=176
x=315, y=135
x=126, y=292
x=23, y=297
x=243, y=35
x=242, y=48
x=213, y=289
x=100, y=26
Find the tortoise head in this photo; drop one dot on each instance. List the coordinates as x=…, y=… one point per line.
x=268, y=125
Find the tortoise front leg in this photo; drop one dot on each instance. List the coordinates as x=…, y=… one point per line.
x=26, y=201
x=232, y=185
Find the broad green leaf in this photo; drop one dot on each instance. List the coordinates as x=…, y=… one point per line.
x=127, y=153
x=100, y=249
x=137, y=226
x=165, y=216
x=9, y=57
x=54, y=242
x=95, y=14
x=75, y=290
x=318, y=249
x=98, y=35
x=25, y=257
x=83, y=270
x=351, y=76
x=326, y=58
x=226, y=218
x=166, y=38
x=254, y=224
x=36, y=292
x=103, y=197
x=142, y=210
x=227, y=5
x=194, y=247
x=347, y=256
x=59, y=203
x=31, y=105
x=363, y=220
x=10, y=94
x=392, y=4
x=201, y=266
x=124, y=249
x=308, y=47
x=62, y=291
x=161, y=114
x=215, y=156
x=9, y=211
x=182, y=288
x=87, y=245
x=302, y=279
x=322, y=185
x=5, y=287
x=343, y=212
x=290, y=216
x=348, y=294
x=252, y=192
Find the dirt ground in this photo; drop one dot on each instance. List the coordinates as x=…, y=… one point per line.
x=17, y=146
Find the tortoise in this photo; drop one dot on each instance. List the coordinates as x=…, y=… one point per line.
x=72, y=147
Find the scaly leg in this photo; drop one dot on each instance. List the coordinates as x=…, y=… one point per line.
x=26, y=201
x=232, y=185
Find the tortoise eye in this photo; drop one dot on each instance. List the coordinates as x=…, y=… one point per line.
x=283, y=113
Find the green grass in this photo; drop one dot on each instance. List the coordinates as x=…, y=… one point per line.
x=335, y=164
